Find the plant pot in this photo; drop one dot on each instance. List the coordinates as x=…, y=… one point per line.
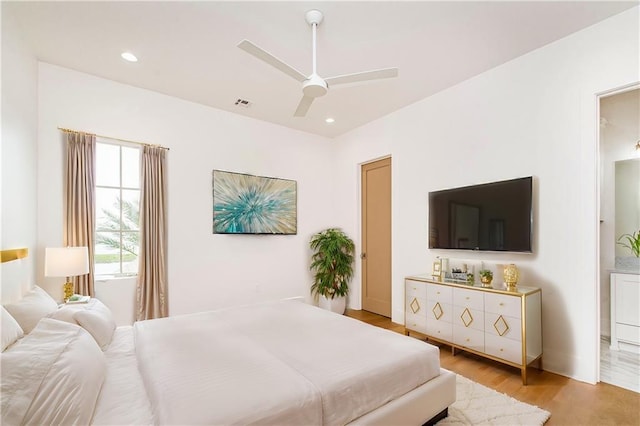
x=486, y=281
x=337, y=304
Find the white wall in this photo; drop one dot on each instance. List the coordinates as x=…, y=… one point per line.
x=19, y=141
x=535, y=115
x=619, y=130
x=206, y=271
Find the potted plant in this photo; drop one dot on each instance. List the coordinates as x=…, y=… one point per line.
x=632, y=242
x=332, y=266
x=486, y=276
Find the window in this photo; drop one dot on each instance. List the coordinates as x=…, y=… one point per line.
x=117, y=239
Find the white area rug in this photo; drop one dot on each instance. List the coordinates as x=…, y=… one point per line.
x=478, y=405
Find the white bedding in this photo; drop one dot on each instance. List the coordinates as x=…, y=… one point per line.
x=123, y=399
x=228, y=366
x=51, y=376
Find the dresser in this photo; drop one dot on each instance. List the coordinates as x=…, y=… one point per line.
x=505, y=326
x=625, y=312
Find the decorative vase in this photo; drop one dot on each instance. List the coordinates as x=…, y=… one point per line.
x=511, y=275
x=337, y=304
x=486, y=281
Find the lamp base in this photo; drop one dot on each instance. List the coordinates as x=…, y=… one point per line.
x=68, y=291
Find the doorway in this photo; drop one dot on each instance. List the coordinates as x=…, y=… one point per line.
x=619, y=214
x=376, y=236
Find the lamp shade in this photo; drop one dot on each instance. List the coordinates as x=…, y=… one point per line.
x=66, y=261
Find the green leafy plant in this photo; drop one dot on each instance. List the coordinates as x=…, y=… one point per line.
x=129, y=224
x=485, y=273
x=632, y=242
x=331, y=263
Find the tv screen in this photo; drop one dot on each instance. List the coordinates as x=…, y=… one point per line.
x=493, y=216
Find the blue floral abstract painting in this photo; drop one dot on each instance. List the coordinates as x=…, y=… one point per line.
x=246, y=204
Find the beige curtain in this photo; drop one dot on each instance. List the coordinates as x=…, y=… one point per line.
x=80, y=204
x=151, y=294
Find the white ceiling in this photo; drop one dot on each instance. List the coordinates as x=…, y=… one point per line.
x=188, y=49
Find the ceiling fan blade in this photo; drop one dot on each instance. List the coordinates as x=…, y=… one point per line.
x=303, y=106
x=362, y=76
x=267, y=57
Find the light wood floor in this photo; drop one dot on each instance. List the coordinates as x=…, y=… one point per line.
x=570, y=402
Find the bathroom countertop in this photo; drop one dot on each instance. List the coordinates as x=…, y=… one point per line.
x=625, y=271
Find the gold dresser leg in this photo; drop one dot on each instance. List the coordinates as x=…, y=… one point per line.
x=524, y=375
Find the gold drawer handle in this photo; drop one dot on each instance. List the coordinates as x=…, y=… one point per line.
x=500, y=304
x=466, y=317
x=468, y=340
x=438, y=293
x=467, y=297
x=501, y=350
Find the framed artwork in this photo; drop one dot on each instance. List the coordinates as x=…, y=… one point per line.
x=247, y=204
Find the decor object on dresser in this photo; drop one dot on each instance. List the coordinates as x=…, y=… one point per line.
x=632, y=242
x=332, y=265
x=486, y=276
x=66, y=262
x=625, y=315
x=246, y=204
x=511, y=275
x=505, y=326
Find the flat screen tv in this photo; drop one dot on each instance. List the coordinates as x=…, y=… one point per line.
x=496, y=216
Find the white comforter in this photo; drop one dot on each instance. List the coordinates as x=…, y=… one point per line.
x=276, y=363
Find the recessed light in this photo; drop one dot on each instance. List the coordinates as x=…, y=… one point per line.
x=128, y=56
x=329, y=120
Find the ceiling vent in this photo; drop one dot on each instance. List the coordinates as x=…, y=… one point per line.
x=243, y=103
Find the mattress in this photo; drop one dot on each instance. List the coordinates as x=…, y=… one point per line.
x=229, y=366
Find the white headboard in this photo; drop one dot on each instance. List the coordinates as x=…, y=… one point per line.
x=15, y=277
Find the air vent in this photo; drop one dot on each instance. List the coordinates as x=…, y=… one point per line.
x=243, y=103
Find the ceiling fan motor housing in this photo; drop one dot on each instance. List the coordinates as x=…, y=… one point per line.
x=314, y=87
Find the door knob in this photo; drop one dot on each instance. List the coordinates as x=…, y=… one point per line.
x=363, y=256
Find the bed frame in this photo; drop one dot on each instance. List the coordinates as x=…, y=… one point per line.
x=425, y=405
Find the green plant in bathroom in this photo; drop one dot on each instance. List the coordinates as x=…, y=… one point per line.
x=632, y=242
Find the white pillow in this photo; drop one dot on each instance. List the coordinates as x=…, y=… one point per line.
x=31, y=308
x=53, y=376
x=98, y=320
x=65, y=313
x=11, y=330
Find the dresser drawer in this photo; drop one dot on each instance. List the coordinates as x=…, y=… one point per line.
x=508, y=327
x=440, y=330
x=628, y=333
x=415, y=289
x=508, y=349
x=468, y=318
x=468, y=298
x=468, y=338
x=415, y=322
x=503, y=305
x=439, y=293
x=415, y=305
x=438, y=311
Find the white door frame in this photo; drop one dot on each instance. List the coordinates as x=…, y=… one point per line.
x=599, y=96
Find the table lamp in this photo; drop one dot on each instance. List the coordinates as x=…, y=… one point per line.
x=66, y=262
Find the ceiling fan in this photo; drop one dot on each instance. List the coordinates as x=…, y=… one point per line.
x=313, y=86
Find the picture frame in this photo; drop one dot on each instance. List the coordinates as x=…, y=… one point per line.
x=248, y=204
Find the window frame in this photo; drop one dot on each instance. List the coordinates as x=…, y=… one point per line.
x=121, y=189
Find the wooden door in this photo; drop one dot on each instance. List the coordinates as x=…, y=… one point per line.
x=376, y=237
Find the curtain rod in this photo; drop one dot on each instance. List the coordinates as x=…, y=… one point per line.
x=109, y=137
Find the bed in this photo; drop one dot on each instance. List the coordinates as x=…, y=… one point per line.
x=281, y=362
